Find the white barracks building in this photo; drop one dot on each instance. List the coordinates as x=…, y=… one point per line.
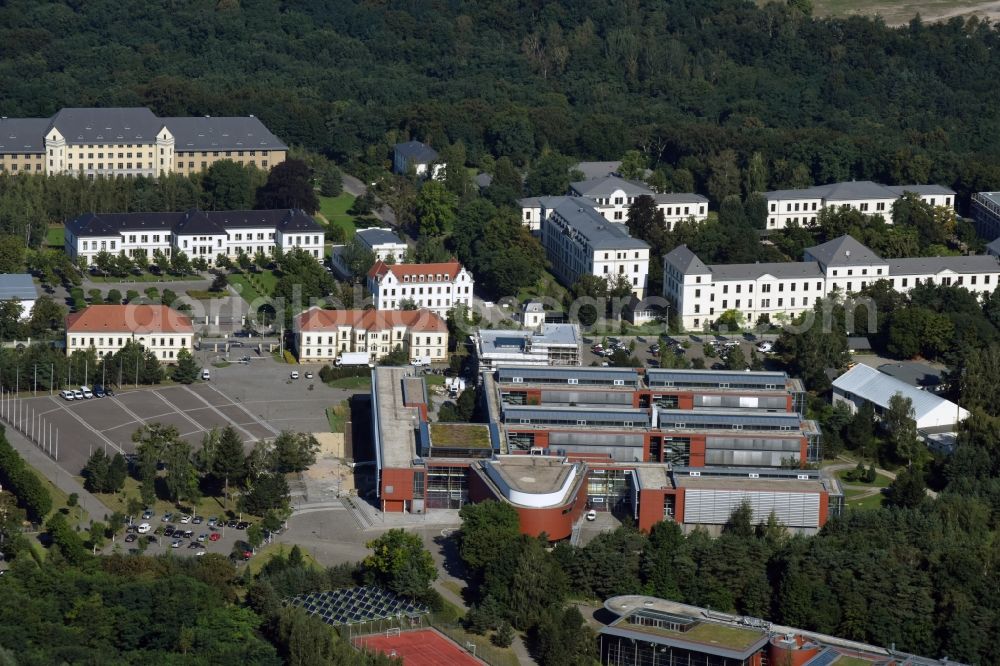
x=701, y=293
x=436, y=287
x=801, y=207
x=611, y=196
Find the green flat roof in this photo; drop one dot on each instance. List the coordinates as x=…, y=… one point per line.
x=460, y=435
x=708, y=633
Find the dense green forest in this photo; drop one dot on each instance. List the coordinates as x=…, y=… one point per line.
x=698, y=85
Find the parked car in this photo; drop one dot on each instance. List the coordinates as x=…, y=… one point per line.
x=87, y=394
x=242, y=525
x=198, y=520
x=765, y=347
x=169, y=531
x=78, y=395
x=147, y=514
x=176, y=544
x=98, y=391
x=309, y=374
x=203, y=537
x=295, y=374
x=167, y=517
x=188, y=534
x=205, y=374
x=212, y=521
x=591, y=515
x=144, y=528
x=214, y=536
x=67, y=395
x=185, y=520
x=129, y=538
x=195, y=544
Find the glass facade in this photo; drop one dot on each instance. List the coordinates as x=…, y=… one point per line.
x=447, y=487
x=608, y=490
x=621, y=651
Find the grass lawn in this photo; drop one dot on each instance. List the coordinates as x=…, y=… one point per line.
x=364, y=382
x=249, y=291
x=852, y=500
x=337, y=416
x=55, y=236
x=208, y=506
x=59, y=499
x=221, y=364
x=334, y=209
x=205, y=295
x=898, y=12
x=880, y=481
x=267, y=552
x=434, y=380
x=547, y=286
x=735, y=638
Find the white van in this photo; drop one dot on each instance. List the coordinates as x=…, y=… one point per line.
x=85, y=390
x=205, y=374
x=143, y=528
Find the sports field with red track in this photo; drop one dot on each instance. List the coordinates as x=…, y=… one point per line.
x=424, y=647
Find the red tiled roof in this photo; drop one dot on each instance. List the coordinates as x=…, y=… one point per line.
x=130, y=318
x=449, y=268
x=316, y=319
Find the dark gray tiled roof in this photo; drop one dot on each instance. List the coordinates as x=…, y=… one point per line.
x=599, y=232
x=17, y=285
x=114, y=125
x=843, y=251
x=924, y=190
x=607, y=185
x=594, y=170
x=376, y=236
x=685, y=261
x=978, y=263
x=22, y=135
x=679, y=198
x=192, y=222
x=416, y=152
x=224, y=133
x=785, y=269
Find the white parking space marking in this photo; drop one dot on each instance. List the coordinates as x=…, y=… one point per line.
x=249, y=437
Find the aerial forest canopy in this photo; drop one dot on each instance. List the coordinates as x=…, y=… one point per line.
x=685, y=81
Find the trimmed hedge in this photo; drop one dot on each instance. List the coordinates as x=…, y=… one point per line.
x=19, y=479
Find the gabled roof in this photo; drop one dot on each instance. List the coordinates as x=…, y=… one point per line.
x=196, y=222
x=192, y=222
x=977, y=263
x=594, y=170
x=679, y=198
x=551, y=202
x=416, y=152
x=607, y=185
x=843, y=251
x=22, y=135
x=375, y=236
x=317, y=319
x=599, y=232
x=223, y=133
x=783, y=269
x=878, y=388
x=861, y=189
x=17, y=285
x=138, y=319
x=921, y=190
x=450, y=269
x=112, y=125
x=686, y=261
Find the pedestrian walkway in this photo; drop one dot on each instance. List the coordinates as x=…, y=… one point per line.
x=62, y=479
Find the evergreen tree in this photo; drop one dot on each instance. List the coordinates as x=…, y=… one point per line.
x=187, y=370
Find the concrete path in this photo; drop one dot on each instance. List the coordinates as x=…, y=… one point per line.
x=57, y=475
x=850, y=463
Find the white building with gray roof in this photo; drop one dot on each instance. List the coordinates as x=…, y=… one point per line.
x=611, y=196
x=701, y=293
x=384, y=243
x=579, y=241
x=801, y=206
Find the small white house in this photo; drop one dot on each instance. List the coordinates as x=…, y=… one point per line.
x=533, y=314
x=384, y=243
x=418, y=156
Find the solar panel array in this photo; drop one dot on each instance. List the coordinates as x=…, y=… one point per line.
x=354, y=605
